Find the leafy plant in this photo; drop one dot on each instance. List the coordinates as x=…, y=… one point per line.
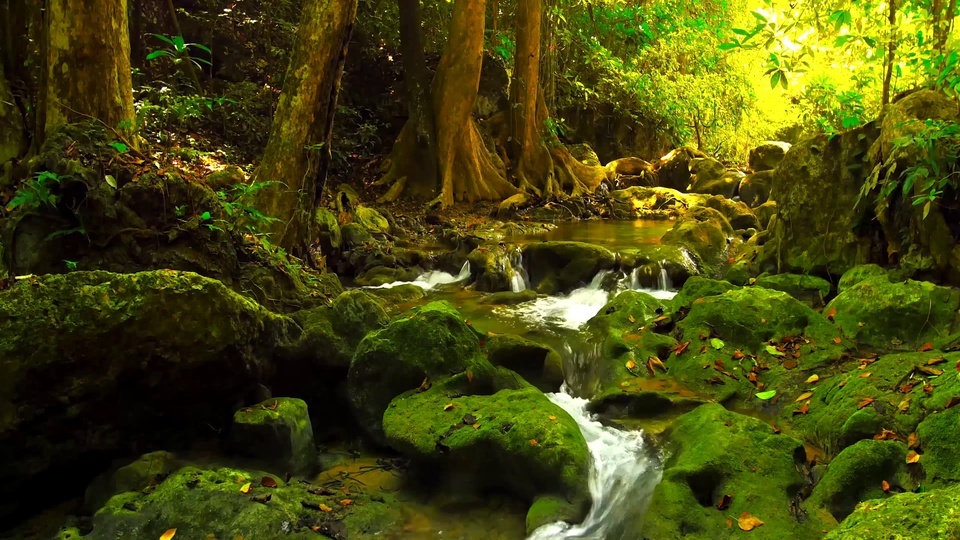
x=178, y=51
x=37, y=192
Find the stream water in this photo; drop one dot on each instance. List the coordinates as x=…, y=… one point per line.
x=625, y=470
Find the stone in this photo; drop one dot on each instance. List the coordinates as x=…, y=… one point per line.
x=278, y=433
x=673, y=169
x=558, y=267
x=755, y=188
x=134, y=476
x=811, y=290
x=225, y=178
x=768, y=155
x=509, y=298
x=940, y=446
x=535, y=362
x=496, y=268
x=860, y=273
x=737, y=213
x=371, y=220
x=400, y=294
x=648, y=261
x=354, y=235
x=704, y=232
x=765, y=214
x=904, y=516
x=328, y=228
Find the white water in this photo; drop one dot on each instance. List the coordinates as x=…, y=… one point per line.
x=621, y=480
x=568, y=311
x=519, y=280
x=433, y=279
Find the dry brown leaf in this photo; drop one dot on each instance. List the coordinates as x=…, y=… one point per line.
x=886, y=435
x=738, y=355
x=245, y=488
x=682, y=348
x=935, y=361
x=926, y=347
x=168, y=535
x=325, y=508
x=803, y=396
x=724, y=502
x=886, y=486
x=268, y=481
x=631, y=364
x=631, y=318
x=831, y=313
x=729, y=523
x=748, y=522
x=842, y=383
x=813, y=378
x=913, y=457
x=838, y=340
x=929, y=371
x=346, y=502
x=913, y=441
x=928, y=388
x=952, y=402
x=533, y=442
x=803, y=410
x=656, y=362
x=864, y=402
x=470, y=376
x=448, y=407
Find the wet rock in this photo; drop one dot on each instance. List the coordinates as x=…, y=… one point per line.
x=90, y=358
x=557, y=267
x=509, y=298
x=518, y=440
x=808, y=289
x=537, y=363
x=768, y=156
x=199, y=502
x=278, y=433
x=584, y=154
x=905, y=515
x=328, y=229
x=940, y=445
x=430, y=343
x=755, y=188
x=381, y=275
x=371, y=220
x=880, y=314
x=355, y=235
x=860, y=273
x=857, y=475
x=699, y=287
x=496, y=268
x=647, y=202
x=710, y=177
x=765, y=214
x=136, y=476
x=228, y=177
x=648, y=261
x=704, y=232
x=714, y=452
x=399, y=294
x=737, y=213
x=673, y=169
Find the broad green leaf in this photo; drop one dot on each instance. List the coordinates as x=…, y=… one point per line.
x=119, y=147
x=926, y=211
x=157, y=54
x=164, y=39
x=179, y=43
x=775, y=80
x=730, y=45
x=767, y=395
x=203, y=48
x=716, y=343
x=842, y=40
x=205, y=216
x=773, y=350
x=111, y=181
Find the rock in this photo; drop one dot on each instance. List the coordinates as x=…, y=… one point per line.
x=755, y=188
x=201, y=502
x=699, y=287
x=808, y=289
x=557, y=267
x=647, y=202
x=515, y=202
x=134, y=476
x=714, y=452
x=88, y=359
x=737, y=213
x=704, y=232
x=768, y=155
x=381, y=275
x=941, y=449
x=584, y=154
x=712, y=178
x=354, y=235
x=328, y=228
x=648, y=261
x=904, y=516
x=673, y=169
x=278, y=433
x=400, y=294
x=857, y=475
x=537, y=363
x=877, y=313
x=509, y=298
x=371, y=220
x=497, y=268
x=860, y=273
x=429, y=344
x=813, y=233
x=506, y=435
x=225, y=178
x=765, y=214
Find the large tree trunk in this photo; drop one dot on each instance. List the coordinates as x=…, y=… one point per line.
x=417, y=78
x=12, y=139
x=87, y=64
x=891, y=52
x=538, y=161
x=298, y=151
x=468, y=171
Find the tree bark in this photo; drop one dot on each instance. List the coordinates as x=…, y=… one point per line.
x=417, y=79
x=87, y=64
x=298, y=151
x=467, y=170
x=12, y=137
x=891, y=53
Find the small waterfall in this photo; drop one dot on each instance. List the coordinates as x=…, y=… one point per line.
x=519, y=280
x=663, y=280
x=434, y=278
x=622, y=479
x=664, y=289
x=569, y=311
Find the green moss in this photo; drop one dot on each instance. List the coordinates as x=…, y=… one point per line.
x=199, y=502
x=398, y=295
x=699, y=287
x=68, y=533
x=556, y=267
x=650, y=259
x=131, y=477
x=509, y=298
x=371, y=220
x=861, y=272
x=857, y=475
x=328, y=227
x=492, y=268
x=714, y=452
x=277, y=432
x=354, y=235
x=536, y=362
x=940, y=443
x=811, y=290
x=906, y=516
x=704, y=232
x=548, y=509
x=331, y=334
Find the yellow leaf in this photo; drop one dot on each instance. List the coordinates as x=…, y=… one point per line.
x=812, y=379
x=631, y=364
x=913, y=457
x=245, y=488
x=476, y=426
x=325, y=508
x=748, y=522
x=552, y=417
x=448, y=406
x=168, y=535
x=533, y=442
x=346, y=502
x=803, y=396
x=631, y=318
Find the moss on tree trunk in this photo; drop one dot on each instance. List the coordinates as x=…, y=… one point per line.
x=298, y=152
x=87, y=64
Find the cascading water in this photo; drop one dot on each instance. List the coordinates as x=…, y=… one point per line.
x=433, y=279
x=622, y=479
x=569, y=311
x=519, y=280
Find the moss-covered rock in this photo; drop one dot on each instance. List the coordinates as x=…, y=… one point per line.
x=862, y=272
x=710, y=177
x=277, y=433
x=905, y=516
x=699, y=287
x=354, y=235
x=400, y=294
x=134, y=476
x=537, y=363
x=88, y=359
x=704, y=232
x=811, y=290
x=650, y=260
x=509, y=298
x=497, y=268
x=225, y=178
x=557, y=267
x=714, y=452
x=328, y=228
x=381, y=275
x=755, y=188
x=506, y=434
x=765, y=214
x=737, y=213
x=201, y=502
x=857, y=474
x=880, y=314
x=940, y=444
x=371, y=220
x=768, y=155
x=639, y=202
x=430, y=344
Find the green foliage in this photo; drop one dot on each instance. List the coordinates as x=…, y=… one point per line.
x=37, y=192
x=161, y=109
x=179, y=51
x=239, y=213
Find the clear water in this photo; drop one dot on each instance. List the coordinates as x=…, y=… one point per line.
x=615, y=235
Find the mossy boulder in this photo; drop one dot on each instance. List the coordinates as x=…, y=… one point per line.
x=880, y=314
x=673, y=169
x=382, y=275
x=504, y=434
x=857, y=474
x=509, y=298
x=328, y=228
x=496, y=268
x=400, y=294
x=557, y=267
x=768, y=155
x=225, y=178
x=277, y=433
x=371, y=220
x=904, y=516
x=536, y=362
x=863, y=272
x=639, y=201
x=704, y=232
x=710, y=177
x=134, y=476
x=737, y=213
x=765, y=214
x=811, y=290
x=699, y=287
x=940, y=444
x=200, y=502
x=650, y=260
x=430, y=343
x=714, y=452
x=355, y=235
x=88, y=359
x=755, y=188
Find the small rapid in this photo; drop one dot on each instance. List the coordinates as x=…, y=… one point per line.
x=433, y=279
x=622, y=478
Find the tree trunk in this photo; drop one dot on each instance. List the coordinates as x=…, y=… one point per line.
x=298, y=151
x=12, y=138
x=891, y=53
x=417, y=79
x=87, y=64
x=467, y=170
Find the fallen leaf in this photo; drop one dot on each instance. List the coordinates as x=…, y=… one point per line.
x=886, y=435
x=812, y=379
x=274, y=406
x=325, y=508
x=553, y=418
x=470, y=376
x=831, y=313
x=842, y=383
x=682, y=348
x=929, y=371
x=476, y=426
x=245, y=488
x=865, y=375
x=838, y=340
x=448, y=406
x=885, y=486
x=716, y=343
x=926, y=347
x=803, y=396
x=748, y=522
x=864, y=402
x=790, y=364
x=168, y=535
x=773, y=350
x=724, y=502
x=738, y=355
x=262, y=500
x=952, y=402
x=777, y=430
x=913, y=457
x=631, y=364
x=631, y=318
x=935, y=361
x=346, y=502
x=958, y=365
x=268, y=481
x=729, y=523
x=802, y=410
x=913, y=441
x=718, y=365
x=533, y=442
x=908, y=387
x=425, y=385
x=928, y=388
x=767, y=395
x=752, y=377
x=239, y=479
x=904, y=405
